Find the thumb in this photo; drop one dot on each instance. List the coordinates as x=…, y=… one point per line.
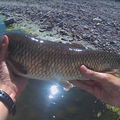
x=4, y=47
x=92, y=75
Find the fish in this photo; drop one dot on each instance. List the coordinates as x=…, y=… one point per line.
x=39, y=59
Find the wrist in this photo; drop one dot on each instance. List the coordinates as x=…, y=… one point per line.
x=3, y=111
x=9, y=91
x=8, y=102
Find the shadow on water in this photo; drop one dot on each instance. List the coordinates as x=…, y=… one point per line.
x=40, y=102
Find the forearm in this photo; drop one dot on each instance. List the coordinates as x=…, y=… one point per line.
x=3, y=111
x=3, y=108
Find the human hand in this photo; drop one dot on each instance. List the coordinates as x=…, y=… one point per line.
x=11, y=84
x=104, y=86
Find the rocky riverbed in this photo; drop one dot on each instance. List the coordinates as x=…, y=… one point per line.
x=93, y=22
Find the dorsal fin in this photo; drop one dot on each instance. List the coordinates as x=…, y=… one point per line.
x=79, y=46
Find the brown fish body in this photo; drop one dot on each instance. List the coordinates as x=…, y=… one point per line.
x=45, y=60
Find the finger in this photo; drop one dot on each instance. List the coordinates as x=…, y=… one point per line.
x=90, y=82
x=4, y=47
x=83, y=86
x=96, y=76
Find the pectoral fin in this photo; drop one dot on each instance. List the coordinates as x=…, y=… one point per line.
x=112, y=71
x=65, y=84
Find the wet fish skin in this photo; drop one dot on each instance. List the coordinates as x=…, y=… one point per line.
x=45, y=60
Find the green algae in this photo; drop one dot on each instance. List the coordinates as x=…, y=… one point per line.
x=99, y=114
x=114, y=109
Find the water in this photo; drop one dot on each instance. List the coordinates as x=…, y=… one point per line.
x=44, y=100
x=2, y=25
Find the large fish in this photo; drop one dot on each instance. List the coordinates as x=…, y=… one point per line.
x=46, y=60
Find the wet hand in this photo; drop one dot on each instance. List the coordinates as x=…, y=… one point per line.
x=104, y=86
x=11, y=84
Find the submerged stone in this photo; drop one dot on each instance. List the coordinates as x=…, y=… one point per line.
x=9, y=21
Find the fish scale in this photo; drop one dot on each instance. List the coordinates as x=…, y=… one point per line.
x=46, y=60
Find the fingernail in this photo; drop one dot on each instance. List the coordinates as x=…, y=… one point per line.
x=84, y=68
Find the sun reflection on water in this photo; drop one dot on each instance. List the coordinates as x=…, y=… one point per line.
x=50, y=96
x=53, y=91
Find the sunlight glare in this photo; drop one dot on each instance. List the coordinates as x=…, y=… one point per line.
x=50, y=96
x=54, y=89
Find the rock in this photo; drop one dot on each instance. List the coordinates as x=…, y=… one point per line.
x=95, y=33
x=86, y=27
x=42, y=30
x=114, y=24
x=63, y=32
x=74, y=25
x=113, y=42
x=64, y=39
x=78, y=37
x=71, y=40
x=76, y=19
x=96, y=42
x=107, y=43
x=9, y=21
x=85, y=36
x=60, y=24
x=104, y=36
x=41, y=20
x=97, y=19
x=97, y=24
x=104, y=45
x=117, y=28
x=83, y=10
x=49, y=28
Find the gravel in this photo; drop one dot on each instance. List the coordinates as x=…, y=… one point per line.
x=96, y=22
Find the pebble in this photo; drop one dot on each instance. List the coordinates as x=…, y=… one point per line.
x=104, y=36
x=42, y=30
x=60, y=24
x=71, y=40
x=97, y=24
x=107, y=43
x=78, y=37
x=9, y=21
x=63, y=32
x=86, y=27
x=117, y=28
x=64, y=39
x=95, y=33
x=104, y=45
x=96, y=42
x=88, y=24
x=85, y=36
x=97, y=19
x=113, y=42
